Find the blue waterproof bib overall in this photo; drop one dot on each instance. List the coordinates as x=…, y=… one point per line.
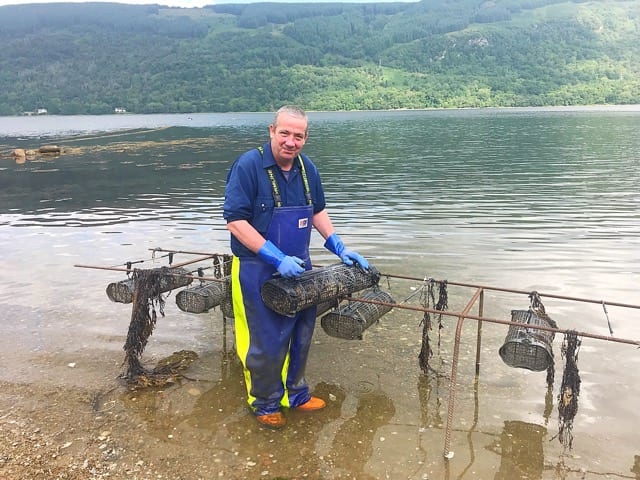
x=273, y=348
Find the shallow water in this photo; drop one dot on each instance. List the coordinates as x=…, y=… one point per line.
x=543, y=200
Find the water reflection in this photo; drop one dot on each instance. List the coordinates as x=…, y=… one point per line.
x=337, y=442
x=521, y=451
x=224, y=400
x=430, y=400
x=352, y=445
x=292, y=451
x=548, y=402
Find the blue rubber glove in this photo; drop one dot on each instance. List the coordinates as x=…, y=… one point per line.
x=286, y=265
x=335, y=245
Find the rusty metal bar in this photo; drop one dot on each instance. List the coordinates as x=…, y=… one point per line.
x=189, y=262
x=524, y=292
x=185, y=252
x=129, y=270
x=459, y=284
x=454, y=371
x=182, y=264
x=497, y=320
x=563, y=331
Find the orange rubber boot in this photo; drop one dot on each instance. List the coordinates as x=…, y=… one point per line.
x=314, y=403
x=272, y=420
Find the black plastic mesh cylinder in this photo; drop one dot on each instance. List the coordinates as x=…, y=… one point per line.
x=122, y=291
x=202, y=298
x=350, y=321
x=527, y=347
x=227, y=302
x=324, y=307
x=287, y=296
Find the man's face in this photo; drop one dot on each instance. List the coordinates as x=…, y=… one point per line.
x=288, y=135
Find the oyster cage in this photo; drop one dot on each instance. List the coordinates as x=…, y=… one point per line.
x=122, y=291
x=526, y=347
x=227, y=304
x=350, y=322
x=202, y=298
x=324, y=307
x=287, y=296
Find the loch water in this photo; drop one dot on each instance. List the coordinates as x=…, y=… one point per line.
x=524, y=200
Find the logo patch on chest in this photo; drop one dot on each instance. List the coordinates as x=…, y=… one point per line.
x=303, y=222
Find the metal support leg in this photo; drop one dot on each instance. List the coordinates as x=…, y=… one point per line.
x=448, y=454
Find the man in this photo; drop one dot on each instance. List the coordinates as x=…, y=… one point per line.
x=273, y=197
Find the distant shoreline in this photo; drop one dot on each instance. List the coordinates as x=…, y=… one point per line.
x=626, y=107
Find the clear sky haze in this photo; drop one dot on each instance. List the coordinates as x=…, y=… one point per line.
x=192, y=3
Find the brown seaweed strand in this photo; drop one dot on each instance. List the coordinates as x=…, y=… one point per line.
x=442, y=305
x=427, y=297
x=146, y=298
x=570, y=389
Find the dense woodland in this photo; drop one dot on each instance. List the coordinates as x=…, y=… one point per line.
x=92, y=58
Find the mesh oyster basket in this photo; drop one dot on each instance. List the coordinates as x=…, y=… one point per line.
x=287, y=296
x=324, y=307
x=350, y=321
x=528, y=348
x=202, y=298
x=122, y=291
x=227, y=302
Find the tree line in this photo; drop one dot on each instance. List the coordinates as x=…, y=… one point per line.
x=92, y=58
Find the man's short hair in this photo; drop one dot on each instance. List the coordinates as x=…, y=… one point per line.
x=293, y=110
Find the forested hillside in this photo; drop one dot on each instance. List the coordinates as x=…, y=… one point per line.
x=92, y=58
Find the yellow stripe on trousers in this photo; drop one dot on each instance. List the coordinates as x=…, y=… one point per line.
x=243, y=338
x=240, y=323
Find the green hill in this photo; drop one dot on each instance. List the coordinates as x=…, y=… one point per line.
x=92, y=58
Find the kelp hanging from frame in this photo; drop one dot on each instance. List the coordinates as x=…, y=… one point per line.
x=427, y=298
x=570, y=389
x=147, y=303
